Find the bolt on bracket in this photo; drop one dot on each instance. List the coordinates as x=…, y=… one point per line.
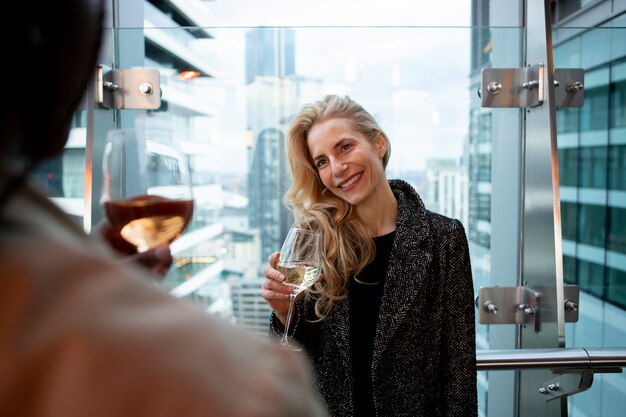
x=132, y=88
x=524, y=87
x=572, y=381
x=520, y=305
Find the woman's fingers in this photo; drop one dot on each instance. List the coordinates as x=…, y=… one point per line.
x=272, y=289
x=273, y=274
x=269, y=295
x=275, y=286
x=273, y=259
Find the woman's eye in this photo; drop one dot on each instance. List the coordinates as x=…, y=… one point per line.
x=320, y=163
x=346, y=147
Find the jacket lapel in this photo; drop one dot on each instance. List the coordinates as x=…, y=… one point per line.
x=406, y=273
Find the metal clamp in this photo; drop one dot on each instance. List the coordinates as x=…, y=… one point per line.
x=133, y=88
x=572, y=381
x=520, y=305
x=524, y=87
x=570, y=91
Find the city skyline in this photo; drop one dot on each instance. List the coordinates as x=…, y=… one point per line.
x=393, y=58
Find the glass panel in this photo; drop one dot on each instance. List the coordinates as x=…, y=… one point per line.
x=63, y=177
x=232, y=120
x=593, y=203
x=228, y=94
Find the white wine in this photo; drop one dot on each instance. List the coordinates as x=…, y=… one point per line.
x=300, y=275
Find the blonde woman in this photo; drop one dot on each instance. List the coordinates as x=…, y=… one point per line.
x=390, y=326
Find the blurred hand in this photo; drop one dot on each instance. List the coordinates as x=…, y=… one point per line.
x=158, y=260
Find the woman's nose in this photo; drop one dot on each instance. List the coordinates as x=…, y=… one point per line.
x=338, y=167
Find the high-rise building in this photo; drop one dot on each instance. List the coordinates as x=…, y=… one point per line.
x=249, y=309
x=270, y=52
x=447, y=188
x=272, y=101
x=592, y=167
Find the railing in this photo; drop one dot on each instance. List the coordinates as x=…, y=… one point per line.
x=566, y=358
x=573, y=368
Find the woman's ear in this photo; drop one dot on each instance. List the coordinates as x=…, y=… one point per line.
x=381, y=146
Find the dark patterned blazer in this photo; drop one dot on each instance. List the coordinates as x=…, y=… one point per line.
x=424, y=361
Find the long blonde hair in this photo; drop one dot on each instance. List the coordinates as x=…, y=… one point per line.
x=348, y=246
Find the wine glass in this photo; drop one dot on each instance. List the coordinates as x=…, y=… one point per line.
x=301, y=263
x=147, y=189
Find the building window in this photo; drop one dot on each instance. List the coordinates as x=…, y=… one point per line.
x=594, y=115
x=617, y=167
x=569, y=269
x=618, y=104
x=591, y=224
x=617, y=230
x=569, y=213
x=591, y=277
x=616, y=287
x=593, y=165
x=567, y=120
x=568, y=167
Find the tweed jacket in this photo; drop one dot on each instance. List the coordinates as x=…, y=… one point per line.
x=424, y=359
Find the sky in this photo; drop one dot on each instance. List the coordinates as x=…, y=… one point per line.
x=340, y=12
x=407, y=62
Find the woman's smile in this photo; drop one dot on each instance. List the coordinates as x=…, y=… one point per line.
x=351, y=182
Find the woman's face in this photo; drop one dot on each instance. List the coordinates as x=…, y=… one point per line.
x=349, y=165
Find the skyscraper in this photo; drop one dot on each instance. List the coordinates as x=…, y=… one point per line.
x=592, y=167
x=272, y=100
x=270, y=52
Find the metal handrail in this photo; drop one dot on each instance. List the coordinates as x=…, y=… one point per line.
x=522, y=359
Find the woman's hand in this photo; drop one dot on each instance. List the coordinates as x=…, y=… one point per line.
x=274, y=291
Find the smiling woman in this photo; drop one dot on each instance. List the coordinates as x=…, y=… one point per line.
x=395, y=304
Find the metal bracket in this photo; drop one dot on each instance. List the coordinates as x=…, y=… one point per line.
x=524, y=87
x=133, y=88
x=520, y=305
x=508, y=305
x=571, y=381
x=569, y=87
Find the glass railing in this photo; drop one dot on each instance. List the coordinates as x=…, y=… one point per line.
x=421, y=84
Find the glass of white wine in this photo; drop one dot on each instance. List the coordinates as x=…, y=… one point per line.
x=301, y=263
x=147, y=194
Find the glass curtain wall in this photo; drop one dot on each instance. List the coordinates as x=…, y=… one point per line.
x=592, y=148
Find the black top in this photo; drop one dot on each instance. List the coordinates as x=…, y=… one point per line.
x=365, y=299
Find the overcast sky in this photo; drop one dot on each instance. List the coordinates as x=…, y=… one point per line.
x=411, y=70
x=340, y=12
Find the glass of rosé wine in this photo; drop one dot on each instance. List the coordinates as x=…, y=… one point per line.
x=147, y=194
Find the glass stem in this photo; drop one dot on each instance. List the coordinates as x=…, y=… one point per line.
x=292, y=299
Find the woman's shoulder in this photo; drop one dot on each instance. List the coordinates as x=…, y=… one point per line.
x=442, y=222
x=410, y=201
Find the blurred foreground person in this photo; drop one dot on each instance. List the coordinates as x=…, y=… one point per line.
x=82, y=334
